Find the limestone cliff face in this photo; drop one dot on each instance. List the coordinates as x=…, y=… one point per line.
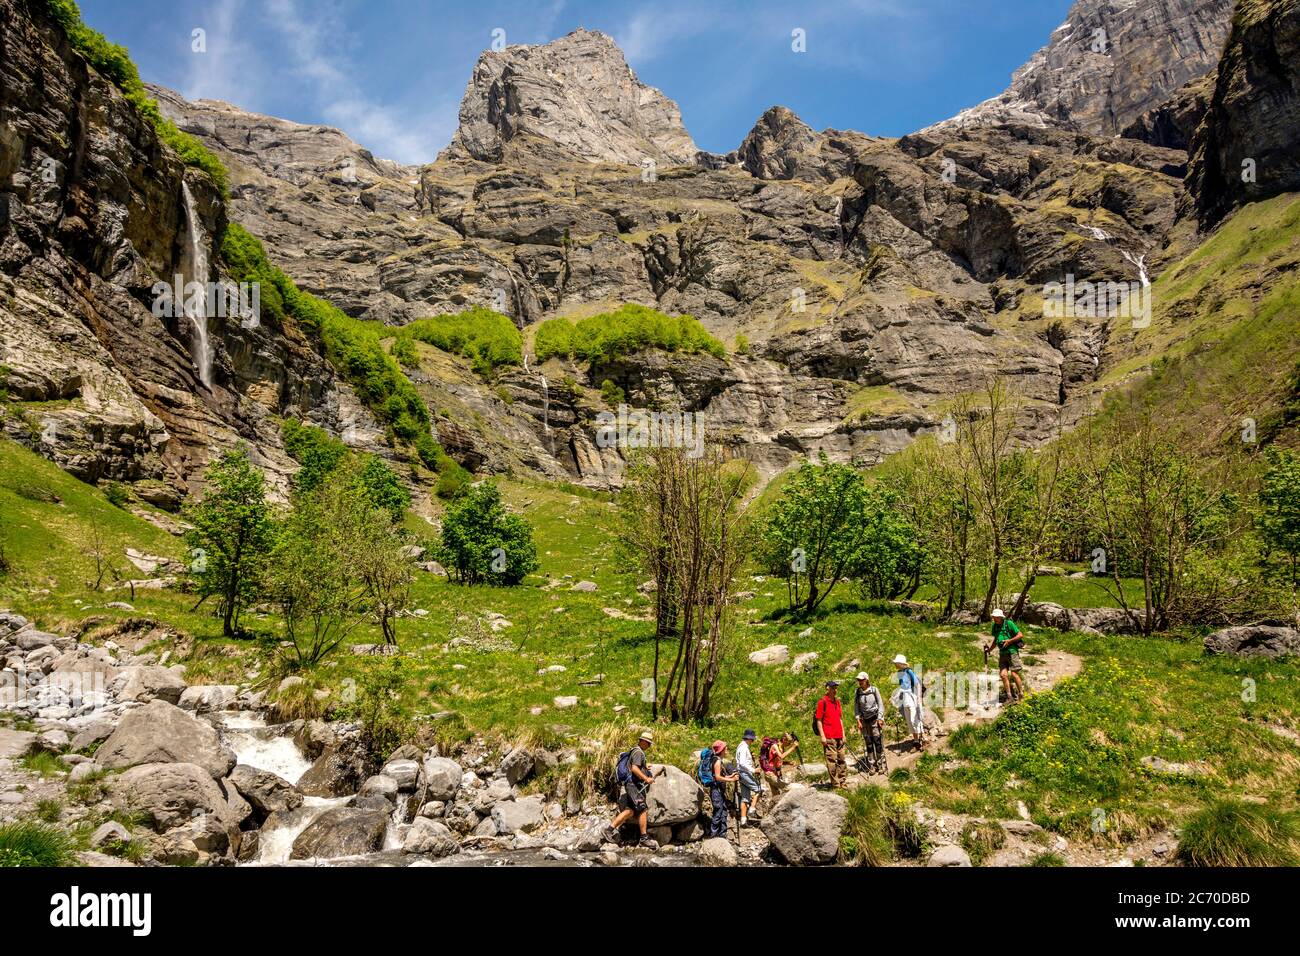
x=1247, y=145
x=873, y=279
x=577, y=93
x=1107, y=64
x=93, y=211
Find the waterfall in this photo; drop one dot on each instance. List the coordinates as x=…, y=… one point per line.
x=1141, y=263
x=546, y=405
x=194, y=266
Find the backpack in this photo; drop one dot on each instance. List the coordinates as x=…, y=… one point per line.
x=624, y=769
x=869, y=714
x=765, y=755
x=705, y=770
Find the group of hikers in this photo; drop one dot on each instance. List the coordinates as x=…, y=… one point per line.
x=753, y=777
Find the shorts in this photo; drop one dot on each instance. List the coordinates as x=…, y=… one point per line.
x=632, y=798
x=749, y=787
x=1009, y=660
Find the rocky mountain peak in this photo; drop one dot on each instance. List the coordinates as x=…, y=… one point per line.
x=782, y=146
x=578, y=93
x=1107, y=64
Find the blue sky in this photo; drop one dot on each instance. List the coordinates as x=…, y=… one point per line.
x=391, y=72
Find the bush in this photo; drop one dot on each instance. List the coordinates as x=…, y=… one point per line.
x=742, y=345
x=352, y=346
x=32, y=843
x=880, y=825
x=612, y=395
x=488, y=339
x=982, y=840
x=317, y=452
x=632, y=328
x=1048, y=859
x=1235, y=833
x=482, y=543
x=114, y=62
x=452, y=478
x=117, y=494
x=404, y=350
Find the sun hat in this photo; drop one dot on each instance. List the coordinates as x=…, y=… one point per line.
x=645, y=735
x=900, y=659
x=750, y=735
x=862, y=675
x=719, y=746
x=999, y=613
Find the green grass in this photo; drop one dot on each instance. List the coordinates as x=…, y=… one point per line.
x=33, y=843
x=630, y=328
x=488, y=339
x=1235, y=833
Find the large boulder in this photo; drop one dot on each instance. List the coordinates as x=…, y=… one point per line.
x=208, y=698
x=717, y=851
x=518, y=816
x=773, y=654
x=146, y=683
x=16, y=743
x=337, y=772
x=1254, y=640
x=948, y=855
x=805, y=826
x=442, y=777
x=267, y=792
x=431, y=838
x=160, y=732
x=169, y=795
x=341, y=831
x=673, y=798
x=518, y=765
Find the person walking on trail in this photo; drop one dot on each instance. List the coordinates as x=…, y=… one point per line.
x=771, y=756
x=829, y=724
x=1009, y=641
x=634, y=780
x=909, y=700
x=750, y=787
x=869, y=712
x=714, y=777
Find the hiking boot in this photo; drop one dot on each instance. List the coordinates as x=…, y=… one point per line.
x=609, y=834
x=646, y=843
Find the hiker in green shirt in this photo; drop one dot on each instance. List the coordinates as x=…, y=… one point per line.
x=1009, y=641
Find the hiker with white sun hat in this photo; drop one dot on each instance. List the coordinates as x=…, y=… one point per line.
x=909, y=700
x=1009, y=641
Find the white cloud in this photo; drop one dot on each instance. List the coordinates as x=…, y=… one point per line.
x=314, y=52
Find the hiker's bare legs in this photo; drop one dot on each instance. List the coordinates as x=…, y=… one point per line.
x=1020, y=685
x=1005, y=674
x=623, y=817
x=641, y=819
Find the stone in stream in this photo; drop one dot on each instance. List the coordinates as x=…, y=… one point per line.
x=518, y=816
x=405, y=773
x=160, y=732
x=380, y=785
x=266, y=792
x=717, y=851
x=804, y=827
x=673, y=798
x=431, y=838
x=170, y=794
x=337, y=772
x=341, y=831
x=208, y=698
x=442, y=778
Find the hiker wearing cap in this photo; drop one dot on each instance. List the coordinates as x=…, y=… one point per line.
x=634, y=778
x=909, y=700
x=771, y=756
x=713, y=774
x=829, y=724
x=1008, y=639
x=869, y=712
x=750, y=789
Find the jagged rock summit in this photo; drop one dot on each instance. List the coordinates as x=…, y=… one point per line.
x=576, y=92
x=1107, y=64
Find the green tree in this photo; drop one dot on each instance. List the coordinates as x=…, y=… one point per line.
x=482, y=543
x=1279, y=522
x=814, y=531
x=889, y=562
x=232, y=532
x=383, y=488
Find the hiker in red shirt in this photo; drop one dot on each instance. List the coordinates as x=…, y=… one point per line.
x=830, y=728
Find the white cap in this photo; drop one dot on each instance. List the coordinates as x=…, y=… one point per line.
x=900, y=659
x=999, y=613
x=862, y=675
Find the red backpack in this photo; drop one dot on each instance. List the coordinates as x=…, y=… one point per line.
x=765, y=755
